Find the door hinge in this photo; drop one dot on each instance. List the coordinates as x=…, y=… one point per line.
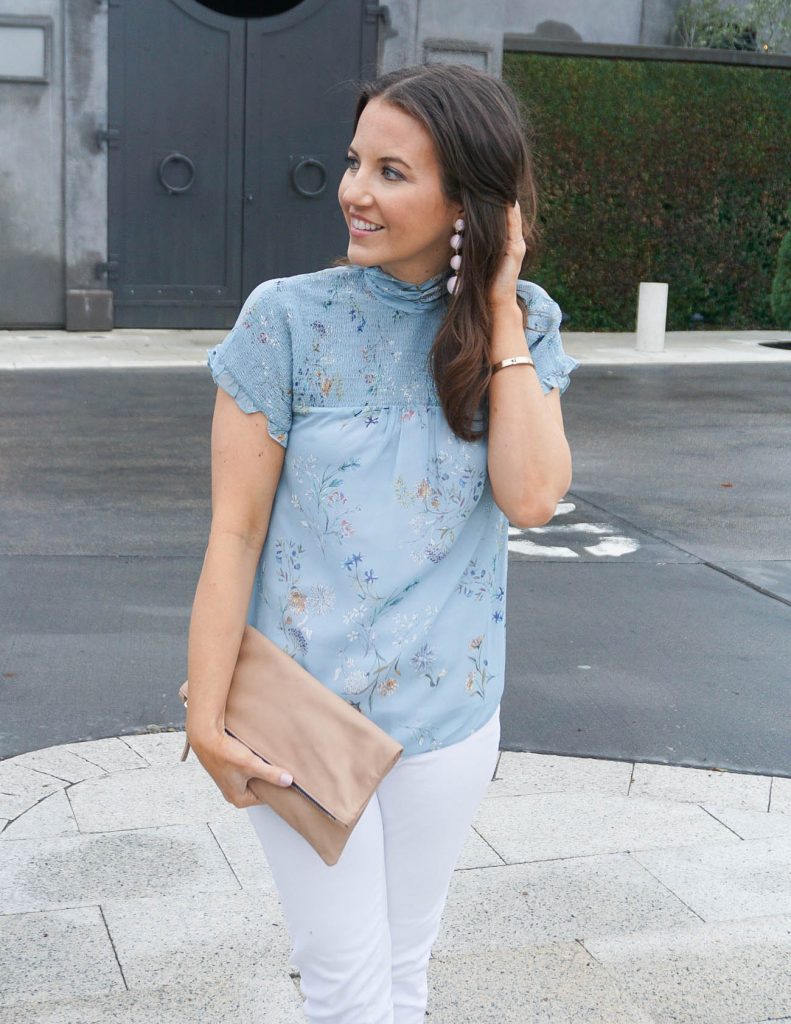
x=110, y=268
x=378, y=12
x=108, y=135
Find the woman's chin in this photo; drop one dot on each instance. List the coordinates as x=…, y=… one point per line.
x=357, y=254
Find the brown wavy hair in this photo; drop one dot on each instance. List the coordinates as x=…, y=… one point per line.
x=483, y=142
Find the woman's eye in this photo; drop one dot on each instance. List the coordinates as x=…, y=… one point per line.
x=353, y=160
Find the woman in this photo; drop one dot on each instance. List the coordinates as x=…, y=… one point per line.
x=366, y=462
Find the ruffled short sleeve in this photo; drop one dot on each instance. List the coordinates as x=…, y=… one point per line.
x=553, y=365
x=253, y=362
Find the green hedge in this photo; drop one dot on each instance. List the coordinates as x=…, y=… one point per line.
x=780, y=300
x=658, y=171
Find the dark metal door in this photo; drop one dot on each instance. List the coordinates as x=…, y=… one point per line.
x=226, y=143
x=176, y=121
x=301, y=68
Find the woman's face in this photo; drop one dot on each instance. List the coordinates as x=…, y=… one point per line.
x=393, y=180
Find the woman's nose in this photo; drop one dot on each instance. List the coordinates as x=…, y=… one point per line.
x=356, y=193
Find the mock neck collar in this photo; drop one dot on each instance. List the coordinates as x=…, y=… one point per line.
x=413, y=298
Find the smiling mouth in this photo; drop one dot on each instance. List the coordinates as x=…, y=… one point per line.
x=369, y=225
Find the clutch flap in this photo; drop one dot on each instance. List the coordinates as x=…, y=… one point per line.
x=290, y=718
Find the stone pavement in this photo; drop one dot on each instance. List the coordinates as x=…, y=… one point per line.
x=49, y=349
x=588, y=892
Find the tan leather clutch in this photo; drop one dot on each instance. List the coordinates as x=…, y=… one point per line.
x=289, y=718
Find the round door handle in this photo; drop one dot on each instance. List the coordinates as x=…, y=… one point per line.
x=174, y=158
x=309, y=161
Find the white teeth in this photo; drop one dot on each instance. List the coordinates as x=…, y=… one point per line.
x=364, y=225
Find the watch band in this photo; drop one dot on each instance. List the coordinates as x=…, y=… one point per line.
x=511, y=361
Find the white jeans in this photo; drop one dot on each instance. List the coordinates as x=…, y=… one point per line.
x=362, y=929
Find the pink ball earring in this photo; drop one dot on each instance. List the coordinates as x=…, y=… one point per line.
x=455, y=261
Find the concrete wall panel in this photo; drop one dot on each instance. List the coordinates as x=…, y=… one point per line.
x=85, y=211
x=617, y=21
x=31, y=187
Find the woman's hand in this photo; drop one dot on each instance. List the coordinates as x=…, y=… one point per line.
x=502, y=292
x=231, y=764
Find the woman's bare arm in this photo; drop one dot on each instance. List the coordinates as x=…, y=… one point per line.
x=529, y=458
x=245, y=467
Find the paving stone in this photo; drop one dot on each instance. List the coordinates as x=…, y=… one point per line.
x=22, y=787
x=241, y=1000
x=38, y=958
x=698, y=785
x=525, y=773
x=52, y=816
x=62, y=763
x=561, y=900
x=476, y=853
x=556, y=983
x=724, y=881
x=551, y=825
x=781, y=796
x=198, y=936
x=161, y=748
x=128, y=826
x=80, y=870
x=111, y=754
x=751, y=824
x=167, y=794
x=774, y=1020
x=721, y=973
x=236, y=837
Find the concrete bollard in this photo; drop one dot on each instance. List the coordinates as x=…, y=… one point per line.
x=651, y=316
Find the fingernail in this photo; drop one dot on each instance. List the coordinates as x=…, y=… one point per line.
x=286, y=779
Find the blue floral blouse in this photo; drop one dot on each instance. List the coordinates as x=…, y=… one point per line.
x=384, y=567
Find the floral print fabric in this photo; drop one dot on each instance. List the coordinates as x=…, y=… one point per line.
x=385, y=563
